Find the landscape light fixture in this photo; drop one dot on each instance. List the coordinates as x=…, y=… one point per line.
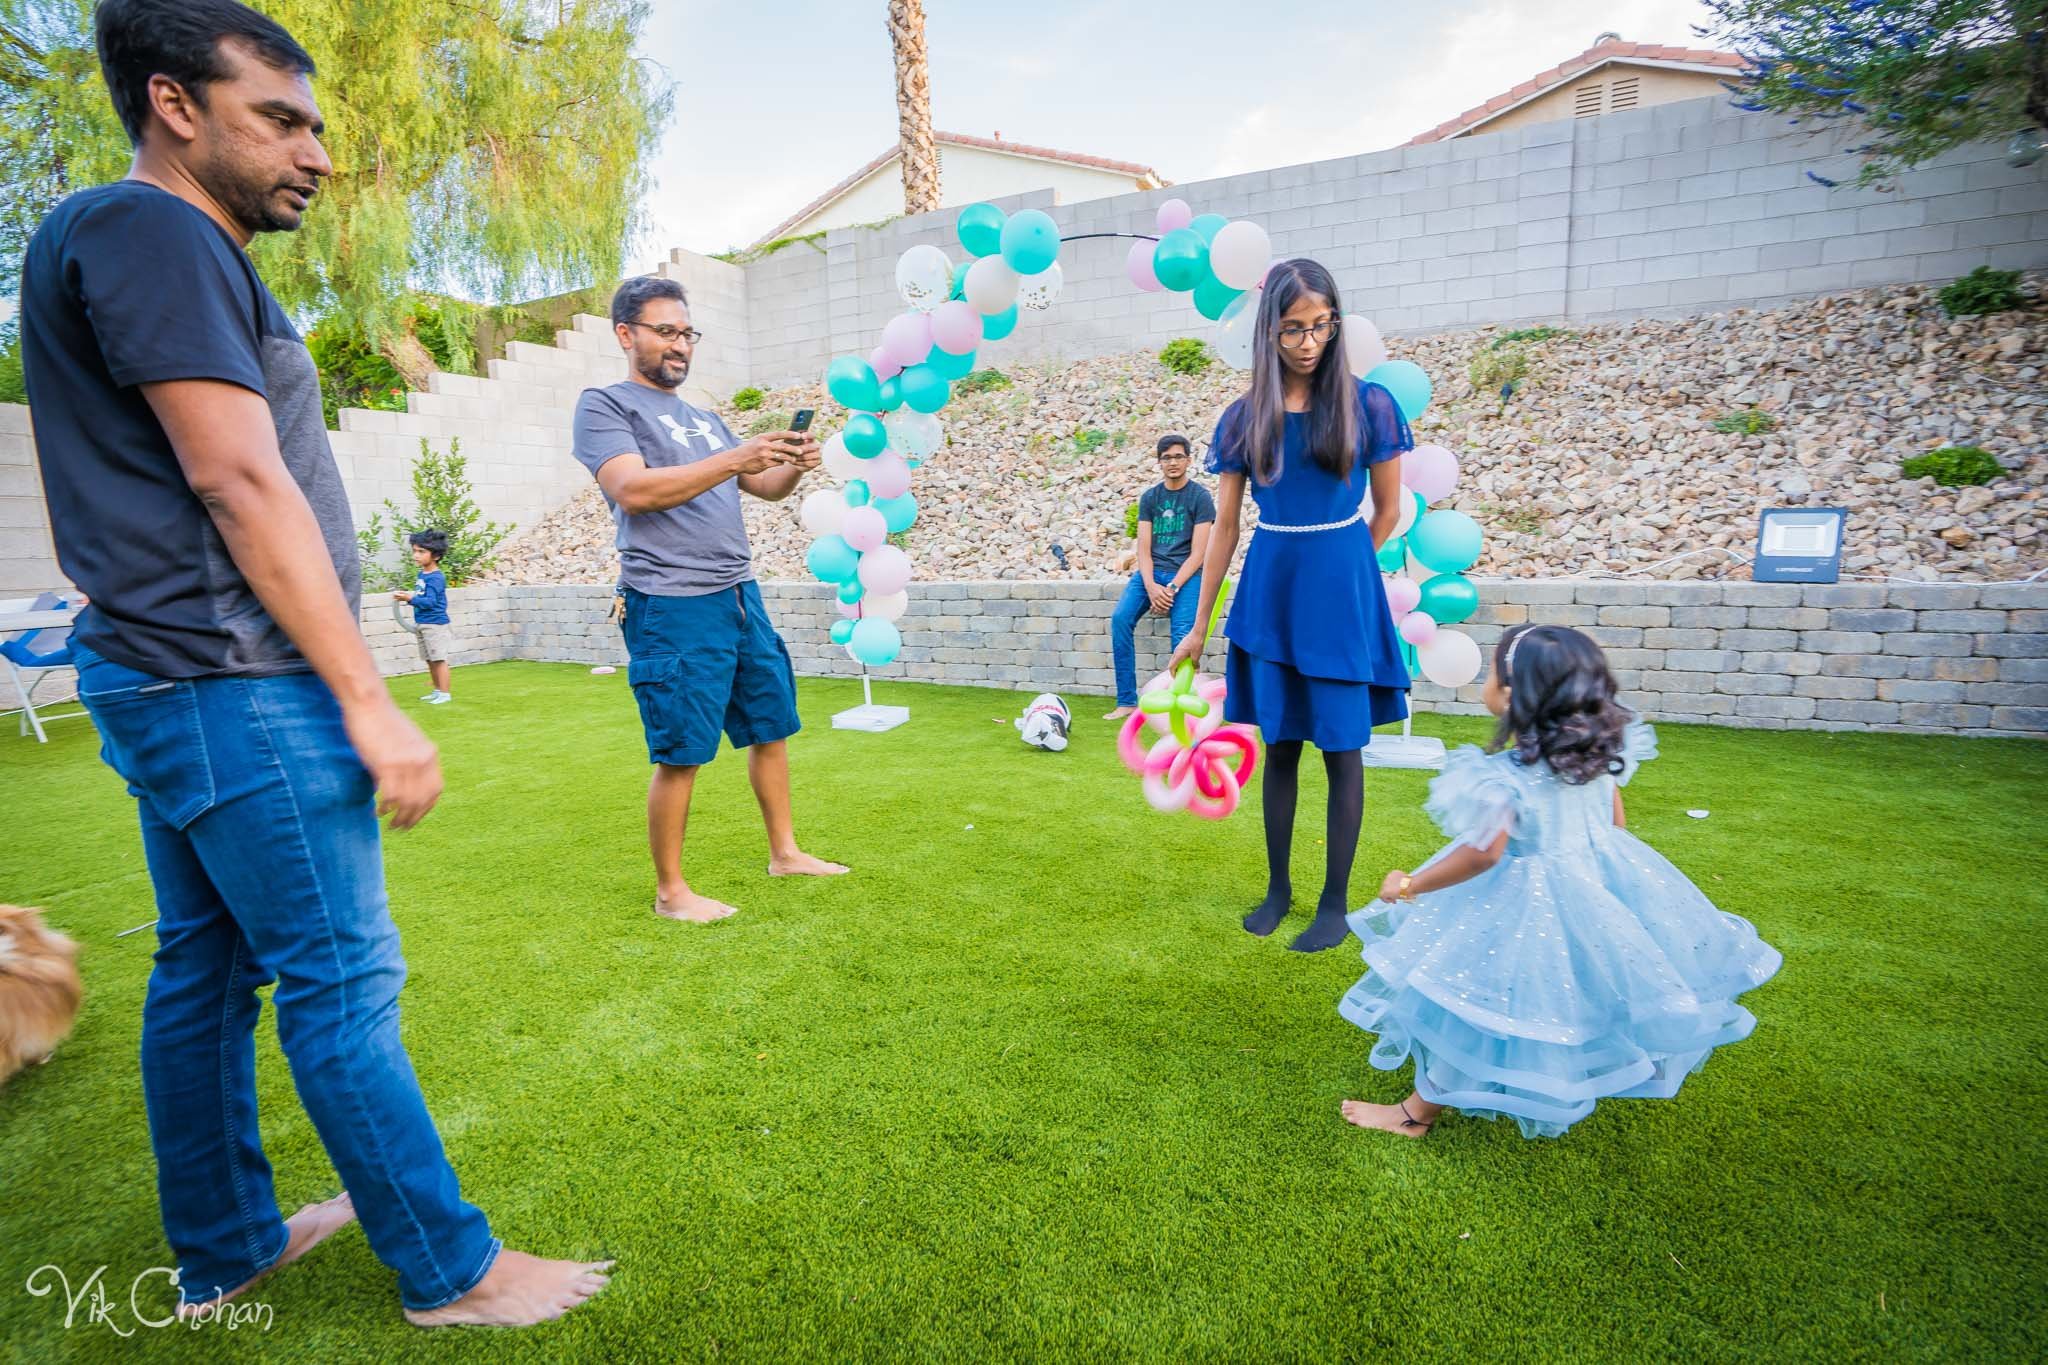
x=1799, y=545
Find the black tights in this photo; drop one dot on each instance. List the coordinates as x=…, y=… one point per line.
x=1346, y=771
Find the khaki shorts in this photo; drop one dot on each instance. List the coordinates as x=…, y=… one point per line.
x=437, y=643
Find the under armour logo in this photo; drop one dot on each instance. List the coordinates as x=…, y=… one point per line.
x=681, y=435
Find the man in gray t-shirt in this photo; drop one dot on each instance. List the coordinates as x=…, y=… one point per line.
x=705, y=659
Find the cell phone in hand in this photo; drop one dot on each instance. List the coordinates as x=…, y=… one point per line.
x=802, y=420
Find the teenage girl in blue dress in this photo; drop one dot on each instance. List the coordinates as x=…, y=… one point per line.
x=1313, y=654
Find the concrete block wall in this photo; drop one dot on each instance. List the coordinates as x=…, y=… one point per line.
x=28, y=562
x=1678, y=208
x=1935, y=658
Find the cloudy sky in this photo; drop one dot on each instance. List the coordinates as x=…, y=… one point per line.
x=777, y=101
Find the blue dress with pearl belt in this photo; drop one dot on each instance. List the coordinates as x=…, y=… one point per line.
x=1582, y=966
x=1313, y=653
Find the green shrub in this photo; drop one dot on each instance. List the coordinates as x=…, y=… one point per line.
x=12, y=387
x=1748, y=422
x=1088, y=440
x=1131, y=522
x=1493, y=369
x=747, y=399
x=1983, y=290
x=441, y=502
x=769, y=421
x=1185, y=355
x=982, y=381
x=1955, y=466
x=1528, y=335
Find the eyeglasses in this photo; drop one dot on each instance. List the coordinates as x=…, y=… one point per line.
x=1294, y=338
x=669, y=333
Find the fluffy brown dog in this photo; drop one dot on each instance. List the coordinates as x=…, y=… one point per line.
x=39, y=989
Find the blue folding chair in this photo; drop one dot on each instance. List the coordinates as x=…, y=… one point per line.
x=33, y=655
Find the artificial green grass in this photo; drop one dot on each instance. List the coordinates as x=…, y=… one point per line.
x=1021, y=1087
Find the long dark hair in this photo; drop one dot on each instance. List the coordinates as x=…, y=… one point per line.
x=1333, y=394
x=1561, y=706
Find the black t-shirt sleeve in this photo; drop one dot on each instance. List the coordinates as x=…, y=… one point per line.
x=169, y=296
x=1148, y=504
x=1205, y=506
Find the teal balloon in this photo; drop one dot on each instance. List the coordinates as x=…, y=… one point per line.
x=851, y=382
x=1407, y=381
x=1212, y=296
x=1449, y=598
x=959, y=281
x=842, y=631
x=1181, y=259
x=898, y=514
x=948, y=366
x=924, y=388
x=1446, y=540
x=1030, y=242
x=832, y=560
x=875, y=641
x=1393, y=555
x=851, y=591
x=913, y=461
x=891, y=395
x=856, y=493
x=865, y=436
x=981, y=229
x=996, y=326
x=1207, y=226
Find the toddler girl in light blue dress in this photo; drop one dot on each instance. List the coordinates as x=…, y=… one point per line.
x=1547, y=958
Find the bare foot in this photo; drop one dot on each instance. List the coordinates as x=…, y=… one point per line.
x=1389, y=1118
x=304, y=1230
x=801, y=864
x=518, y=1291
x=1120, y=713
x=688, y=905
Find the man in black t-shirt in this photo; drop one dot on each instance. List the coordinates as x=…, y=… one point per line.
x=1174, y=517
x=192, y=494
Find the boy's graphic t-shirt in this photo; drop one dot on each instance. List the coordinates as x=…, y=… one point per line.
x=430, y=598
x=1174, y=514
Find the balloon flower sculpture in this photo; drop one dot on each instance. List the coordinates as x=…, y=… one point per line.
x=1197, y=762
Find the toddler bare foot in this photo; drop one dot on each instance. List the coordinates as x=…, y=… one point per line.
x=1388, y=1118
x=801, y=864
x=304, y=1230
x=518, y=1291
x=688, y=905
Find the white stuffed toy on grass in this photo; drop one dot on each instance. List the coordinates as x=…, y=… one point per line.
x=1044, y=723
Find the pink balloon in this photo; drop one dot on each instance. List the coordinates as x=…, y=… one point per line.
x=908, y=338
x=1138, y=266
x=956, y=327
x=1174, y=213
x=883, y=364
x=850, y=610
x=864, y=529
x=885, y=570
x=887, y=475
x=1431, y=471
x=1403, y=596
x=1418, y=628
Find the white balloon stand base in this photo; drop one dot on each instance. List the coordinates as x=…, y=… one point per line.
x=1404, y=750
x=870, y=717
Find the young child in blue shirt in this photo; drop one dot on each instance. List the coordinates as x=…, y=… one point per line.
x=429, y=599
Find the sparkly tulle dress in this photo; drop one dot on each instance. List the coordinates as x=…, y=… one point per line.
x=1583, y=966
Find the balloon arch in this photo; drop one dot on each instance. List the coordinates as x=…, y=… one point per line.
x=895, y=393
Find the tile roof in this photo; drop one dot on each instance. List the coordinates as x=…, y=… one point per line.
x=1606, y=51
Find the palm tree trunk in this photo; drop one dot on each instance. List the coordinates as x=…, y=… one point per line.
x=920, y=156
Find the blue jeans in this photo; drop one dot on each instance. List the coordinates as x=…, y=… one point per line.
x=261, y=834
x=1123, y=626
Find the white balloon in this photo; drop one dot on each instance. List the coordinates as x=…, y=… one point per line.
x=1237, y=329
x=991, y=286
x=1406, y=521
x=890, y=606
x=1450, y=659
x=914, y=434
x=841, y=463
x=822, y=511
x=1239, y=254
x=924, y=277
x=1364, y=351
x=1036, y=292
